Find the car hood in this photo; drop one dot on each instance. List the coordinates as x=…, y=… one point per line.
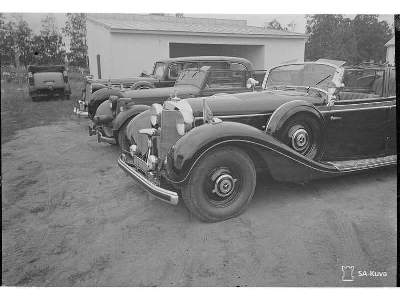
x=182, y=90
x=250, y=102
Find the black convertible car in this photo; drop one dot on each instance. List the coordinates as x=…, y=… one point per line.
x=310, y=120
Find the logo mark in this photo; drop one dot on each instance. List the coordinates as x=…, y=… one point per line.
x=347, y=273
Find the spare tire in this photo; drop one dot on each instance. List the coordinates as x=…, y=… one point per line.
x=99, y=97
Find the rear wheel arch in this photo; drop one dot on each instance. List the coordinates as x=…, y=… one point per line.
x=287, y=111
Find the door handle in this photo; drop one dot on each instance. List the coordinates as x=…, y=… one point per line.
x=333, y=118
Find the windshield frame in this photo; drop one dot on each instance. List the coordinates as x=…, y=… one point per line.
x=336, y=78
x=196, y=72
x=155, y=66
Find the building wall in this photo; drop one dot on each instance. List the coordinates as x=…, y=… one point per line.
x=128, y=54
x=390, y=54
x=98, y=42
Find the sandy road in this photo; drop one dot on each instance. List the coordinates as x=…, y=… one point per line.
x=70, y=217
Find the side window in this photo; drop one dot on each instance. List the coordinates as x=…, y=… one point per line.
x=221, y=65
x=174, y=70
x=189, y=65
x=238, y=67
x=225, y=80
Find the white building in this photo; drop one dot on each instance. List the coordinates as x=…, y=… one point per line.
x=124, y=45
x=390, y=51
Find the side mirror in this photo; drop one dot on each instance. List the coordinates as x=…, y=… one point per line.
x=251, y=83
x=144, y=74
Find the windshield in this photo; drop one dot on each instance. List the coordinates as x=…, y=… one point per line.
x=307, y=75
x=194, y=77
x=159, y=69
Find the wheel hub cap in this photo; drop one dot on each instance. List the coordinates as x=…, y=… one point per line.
x=300, y=139
x=224, y=185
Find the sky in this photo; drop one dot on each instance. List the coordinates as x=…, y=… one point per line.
x=34, y=19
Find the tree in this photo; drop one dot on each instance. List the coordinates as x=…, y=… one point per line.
x=274, y=24
x=336, y=37
x=6, y=41
x=16, y=42
x=23, y=42
x=75, y=30
x=48, y=45
x=371, y=36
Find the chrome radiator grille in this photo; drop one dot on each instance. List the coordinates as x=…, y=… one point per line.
x=141, y=121
x=169, y=135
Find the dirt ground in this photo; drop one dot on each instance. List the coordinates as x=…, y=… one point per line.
x=71, y=217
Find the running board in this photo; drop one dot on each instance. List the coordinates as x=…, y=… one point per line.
x=361, y=164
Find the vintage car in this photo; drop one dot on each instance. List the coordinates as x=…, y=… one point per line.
x=46, y=81
x=114, y=114
x=164, y=74
x=304, y=124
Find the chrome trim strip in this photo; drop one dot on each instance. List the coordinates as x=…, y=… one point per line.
x=240, y=116
x=356, y=109
x=160, y=193
x=235, y=116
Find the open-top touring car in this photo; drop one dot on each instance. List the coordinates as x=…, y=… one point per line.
x=306, y=123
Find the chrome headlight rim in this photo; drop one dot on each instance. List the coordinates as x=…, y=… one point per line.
x=182, y=124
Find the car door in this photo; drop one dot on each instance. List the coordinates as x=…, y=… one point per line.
x=357, y=129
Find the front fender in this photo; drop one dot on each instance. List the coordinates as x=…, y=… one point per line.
x=286, y=111
x=123, y=116
x=283, y=163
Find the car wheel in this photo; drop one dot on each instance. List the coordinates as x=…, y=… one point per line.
x=303, y=134
x=221, y=185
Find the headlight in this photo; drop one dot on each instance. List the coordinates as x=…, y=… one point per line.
x=181, y=126
x=155, y=116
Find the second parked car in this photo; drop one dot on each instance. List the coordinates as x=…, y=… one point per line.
x=113, y=115
x=164, y=74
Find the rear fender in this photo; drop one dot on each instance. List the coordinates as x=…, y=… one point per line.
x=289, y=109
x=125, y=115
x=283, y=163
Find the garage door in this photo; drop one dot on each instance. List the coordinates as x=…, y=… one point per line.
x=254, y=53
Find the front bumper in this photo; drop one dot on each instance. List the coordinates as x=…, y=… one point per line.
x=80, y=109
x=168, y=196
x=45, y=92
